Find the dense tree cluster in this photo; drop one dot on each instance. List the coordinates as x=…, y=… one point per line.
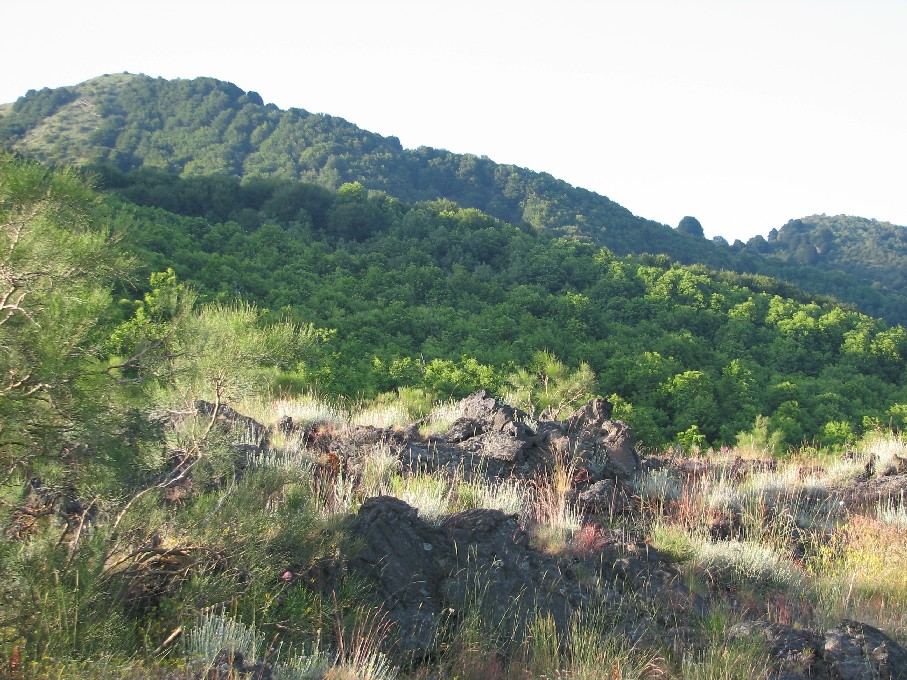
x=871, y=251
x=449, y=299
x=204, y=127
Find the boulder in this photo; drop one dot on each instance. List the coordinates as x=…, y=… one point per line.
x=430, y=578
x=607, y=497
x=607, y=446
x=849, y=651
x=250, y=429
x=867, y=494
x=404, y=557
x=857, y=650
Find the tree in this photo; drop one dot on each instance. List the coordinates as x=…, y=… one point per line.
x=690, y=225
x=224, y=353
x=57, y=267
x=547, y=388
x=139, y=347
x=353, y=215
x=218, y=355
x=690, y=397
x=456, y=379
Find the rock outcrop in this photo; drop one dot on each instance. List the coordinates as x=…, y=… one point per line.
x=495, y=440
x=429, y=579
x=849, y=651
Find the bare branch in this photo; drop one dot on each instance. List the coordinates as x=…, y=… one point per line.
x=170, y=638
x=75, y=540
x=14, y=384
x=13, y=307
x=43, y=512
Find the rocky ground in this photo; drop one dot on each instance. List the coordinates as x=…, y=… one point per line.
x=429, y=577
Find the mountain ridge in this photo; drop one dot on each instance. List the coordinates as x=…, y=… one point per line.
x=872, y=250
x=204, y=126
x=517, y=199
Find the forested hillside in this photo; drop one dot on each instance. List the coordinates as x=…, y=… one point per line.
x=208, y=127
x=205, y=127
x=869, y=250
x=448, y=300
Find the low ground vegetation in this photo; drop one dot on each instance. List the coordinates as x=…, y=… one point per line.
x=248, y=569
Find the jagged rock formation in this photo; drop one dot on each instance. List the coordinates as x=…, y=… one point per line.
x=495, y=440
x=430, y=578
x=476, y=562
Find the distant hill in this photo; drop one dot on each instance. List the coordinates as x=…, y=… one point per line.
x=206, y=127
x=869, y=250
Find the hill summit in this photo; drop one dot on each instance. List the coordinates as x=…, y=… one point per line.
x=209, y=127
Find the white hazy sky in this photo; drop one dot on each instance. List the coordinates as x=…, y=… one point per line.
x=743, y=113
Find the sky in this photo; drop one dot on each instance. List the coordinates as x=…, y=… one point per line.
x=742, y=113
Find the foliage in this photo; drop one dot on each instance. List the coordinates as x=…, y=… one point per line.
x=57, y=270
x=223, y=353
x=204, y=128
x=869, y=257
x=448, y=300
x=546, y=388
x=84, y=466
x=691, y=440
x=872, y=251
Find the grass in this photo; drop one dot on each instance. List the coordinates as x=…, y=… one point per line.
x=884, y=451
x=359, y=655
x=441, y=418
x=381, y=470
x=429, y=494
x=861, y=573
x=310, y=409
x=382, y=415
x=753, y=536
x=722, y=660
x=892, y=511
x=744, y=564
x=511, y=496
x=216, y=632
x=834, y=563
x=555, y=519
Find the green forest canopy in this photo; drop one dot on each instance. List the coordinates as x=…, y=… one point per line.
x=449, y=299
x=205, y=127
